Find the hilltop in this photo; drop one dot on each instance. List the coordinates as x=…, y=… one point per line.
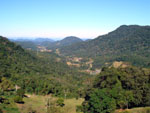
x=64, y=42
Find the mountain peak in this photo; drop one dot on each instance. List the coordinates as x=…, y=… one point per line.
x=126, y=30
x=71, y=38
x=129, y=27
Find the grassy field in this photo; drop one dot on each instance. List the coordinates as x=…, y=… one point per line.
x=135, y=110
x=38, y=103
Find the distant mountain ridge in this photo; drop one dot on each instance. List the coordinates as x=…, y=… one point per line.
x=43, y=40
x=47, y=43
x=40, y=39
x=32, y=44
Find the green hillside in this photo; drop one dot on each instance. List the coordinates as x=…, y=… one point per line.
x=26, y=68
x=126, y=43
x=27, y=44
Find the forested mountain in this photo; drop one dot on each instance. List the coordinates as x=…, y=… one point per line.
x=126, y=43
x=14, y=59
x=20, y=66
x=69, y=41
x=64, y=42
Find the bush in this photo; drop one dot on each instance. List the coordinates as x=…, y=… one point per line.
x=99, y=102
x=30, y=110
x=79, y=108
x=60, y=102
x=5, y=101
x=18, y=99
x=1, y=110
x=20, y=92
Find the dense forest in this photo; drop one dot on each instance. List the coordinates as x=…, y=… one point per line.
x=119, y=88
x=27, y=68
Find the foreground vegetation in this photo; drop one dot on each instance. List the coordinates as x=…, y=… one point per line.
x=120, y=88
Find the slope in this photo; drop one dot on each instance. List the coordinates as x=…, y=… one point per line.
x=40, y=73
x=126, y=43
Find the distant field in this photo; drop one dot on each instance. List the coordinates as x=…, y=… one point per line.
x=135, y=110
x=38, y=103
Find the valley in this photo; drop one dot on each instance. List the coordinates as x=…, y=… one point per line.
x=75, y=56
x=71, y=75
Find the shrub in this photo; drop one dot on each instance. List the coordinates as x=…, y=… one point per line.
x=79, y=108
x=1, y=110
x=18, y=99
x=60, y=102
x=20, y=92
x=99, y=102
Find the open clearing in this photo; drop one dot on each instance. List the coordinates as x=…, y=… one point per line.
x=38, y=103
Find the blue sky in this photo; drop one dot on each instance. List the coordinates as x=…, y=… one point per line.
x=61, y=18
